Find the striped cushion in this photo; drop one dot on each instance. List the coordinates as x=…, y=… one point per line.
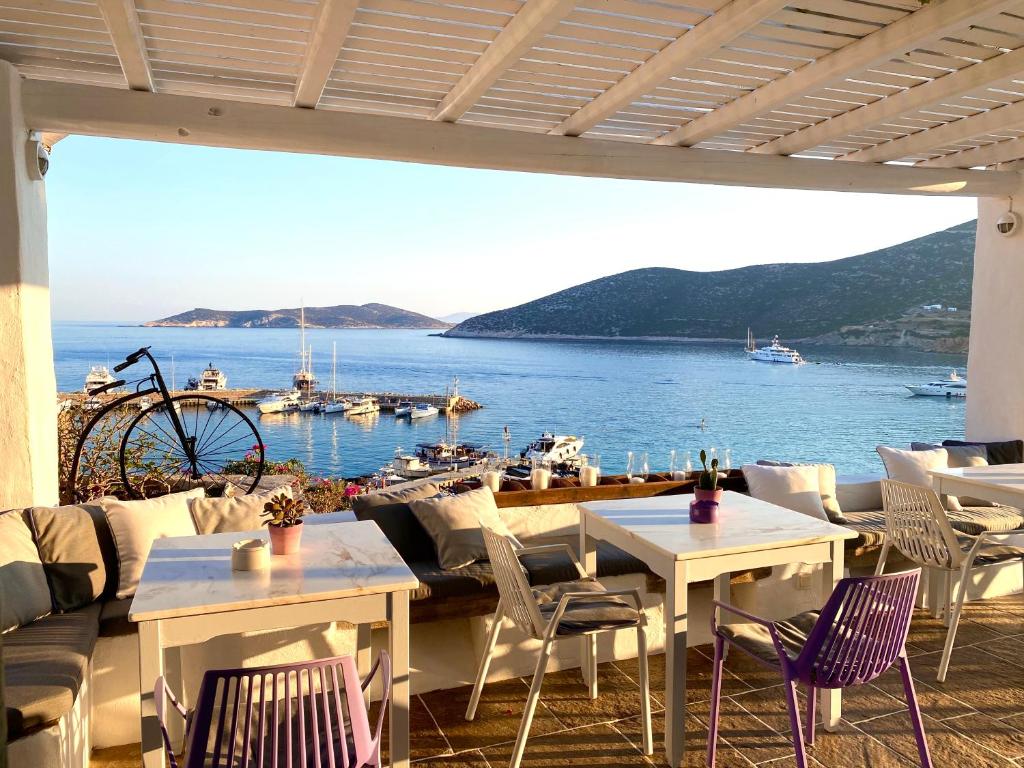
x=973, y=521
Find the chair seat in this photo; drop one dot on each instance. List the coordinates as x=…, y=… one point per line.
x=993, y=553
x=588, y=615
x=757, y=641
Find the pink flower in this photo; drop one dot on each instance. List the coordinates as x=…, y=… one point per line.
x=352, y=490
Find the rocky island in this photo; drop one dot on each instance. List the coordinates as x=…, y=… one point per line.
x=340, y=316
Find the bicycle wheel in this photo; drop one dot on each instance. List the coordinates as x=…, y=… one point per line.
x=93, y=439
x=223, y=446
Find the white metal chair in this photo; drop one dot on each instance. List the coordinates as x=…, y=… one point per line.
x=554, y=612
x=916, y=524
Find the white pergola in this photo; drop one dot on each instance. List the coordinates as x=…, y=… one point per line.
x=891, y=96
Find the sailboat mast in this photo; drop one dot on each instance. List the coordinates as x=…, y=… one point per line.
x=302, y=337
x=334, y=371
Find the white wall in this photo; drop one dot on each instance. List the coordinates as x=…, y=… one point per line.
x=995, y=367
x=28, y=388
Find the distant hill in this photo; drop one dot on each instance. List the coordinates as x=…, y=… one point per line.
x=797, y=301
x=341, y=316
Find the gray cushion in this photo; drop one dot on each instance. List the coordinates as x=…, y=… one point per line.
x=68, y=539
x=585, y=615
x=454, y=523
x=1000, y=452
x=114, y=618
x=23, y=587
x=45, y=663
x=390, y=510
x=757, y=641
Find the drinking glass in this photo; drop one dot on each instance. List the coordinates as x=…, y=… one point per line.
x=595, y=462
x=688, y=464
x=712, y=455
x=644, y=468
x=629, y=465
x=727, y=461
x=671, y=462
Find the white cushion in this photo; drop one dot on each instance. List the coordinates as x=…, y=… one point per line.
x=912, y=467
x=137, y=524
x=233, y=513
x=796, y=488
x=25, y=594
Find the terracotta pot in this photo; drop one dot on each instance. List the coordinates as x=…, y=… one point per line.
x=701, y=494
x=285, y=540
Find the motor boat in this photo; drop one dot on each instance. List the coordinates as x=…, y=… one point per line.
x=310, y=406
x=211, y=380
x=435, y=458
x=279, y=402
x=98, y=376
x=775, y=353
x=422, y=411
x=362, y=406
x=954, y=386
x=404, y=408
x=553, y=449
x=334, y=406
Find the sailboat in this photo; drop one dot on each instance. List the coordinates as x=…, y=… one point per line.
x=333, y=404
x=304, y=381
x=751, y=344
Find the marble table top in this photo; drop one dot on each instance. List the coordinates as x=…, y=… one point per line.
x=744, y=524
x=191, y=575
x=1005, y=476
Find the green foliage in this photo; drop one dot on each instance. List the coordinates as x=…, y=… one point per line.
x=283, y=512
x=324, y=494
x=708, y=480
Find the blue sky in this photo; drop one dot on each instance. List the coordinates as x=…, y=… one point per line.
x=142, y=230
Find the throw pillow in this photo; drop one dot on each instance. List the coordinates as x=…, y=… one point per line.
x=390, y=511
x=795, y=488
x=999, y=452
x=454, y=523
x=68, y=539
x=232, y=513
x=913, y=467
x=137, y=524
x=962, y=456
x=24, y=595
x=826, y=483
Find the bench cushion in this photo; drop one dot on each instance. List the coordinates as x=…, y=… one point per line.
x=390, y=511
x=75, y=546
x=45, y=663
x=114, y=618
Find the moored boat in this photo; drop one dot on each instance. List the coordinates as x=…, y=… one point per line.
x=553, y=449
x=774, y=353
x=954, y=386
x=98, y=376
x=404, y=408
x=211, y=379
x=362, y=406
x=422, y=411
x=279, y=402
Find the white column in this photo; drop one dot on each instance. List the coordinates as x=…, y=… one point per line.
x=995, y=366
x=28, y=390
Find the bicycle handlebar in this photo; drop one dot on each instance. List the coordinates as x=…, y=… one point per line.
x=132, y=359
x=106, y=387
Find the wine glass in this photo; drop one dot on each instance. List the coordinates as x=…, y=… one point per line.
x=672, y=463
x=629, y=466
x=644, y=468
x=727, y=460
x=595, y=462
x=688, y=464
x=712, y=455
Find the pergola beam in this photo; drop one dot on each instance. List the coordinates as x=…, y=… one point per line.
x=329, y=32
x=532, y=22
x=935, y=20
x=911, y=100
x=995, y=120
x=699, y=42
x=93, y=110
x=990, y=154
x=130, y=46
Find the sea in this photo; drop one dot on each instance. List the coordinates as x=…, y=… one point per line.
x=648, y=397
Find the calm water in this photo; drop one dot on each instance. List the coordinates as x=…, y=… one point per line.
x=640, y=396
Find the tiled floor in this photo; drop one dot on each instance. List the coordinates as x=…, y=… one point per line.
x=975, y=718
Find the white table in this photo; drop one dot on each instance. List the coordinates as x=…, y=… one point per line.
x=998, y=483
x=749, y=534
x=344, y=572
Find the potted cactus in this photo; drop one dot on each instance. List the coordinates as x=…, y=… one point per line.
x=284, y=521
x=707, y=484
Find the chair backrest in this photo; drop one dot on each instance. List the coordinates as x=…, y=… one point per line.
x=917, y=526
x=311, y=714
x=861, y=630
x=517, y=597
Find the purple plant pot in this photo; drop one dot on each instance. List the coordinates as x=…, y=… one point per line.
x=703, y=511
x=285, y=540
x=701, y=494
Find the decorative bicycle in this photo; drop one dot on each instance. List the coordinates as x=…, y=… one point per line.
x=176, y=443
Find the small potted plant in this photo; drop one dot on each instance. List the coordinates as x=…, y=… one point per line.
x=284, y=521
x=707, y=484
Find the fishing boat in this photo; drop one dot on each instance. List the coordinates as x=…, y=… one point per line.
x=404, y=408
x=98, y=376
x=954, y=386
x=211, y=380
x=333, y=404
x=776, y=353
x=362, y=406
x=422, y=411
x=553, y=449
x=279, y=402
x=303, y=380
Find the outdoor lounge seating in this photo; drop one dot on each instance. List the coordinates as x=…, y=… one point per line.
x=859, y=634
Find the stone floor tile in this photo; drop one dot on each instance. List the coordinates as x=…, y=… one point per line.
x=928, y=634
x=596, y=745
x=947, y=747
x=933, y=701
x=850, y=747
x=696, y=743
x=998, y=735
x=565, y=695
x=698, y=677
x=474, y=759
x=749, y=735
x=425, y=738
x=1009, y=649
x=978, y=679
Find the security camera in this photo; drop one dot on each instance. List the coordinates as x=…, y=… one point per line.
x=1008, y=224
x=37, y=156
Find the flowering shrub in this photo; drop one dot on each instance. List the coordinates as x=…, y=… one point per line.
x=323, y=494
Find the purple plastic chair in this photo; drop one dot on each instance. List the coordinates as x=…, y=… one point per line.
x=859, y=634
x=306, y=715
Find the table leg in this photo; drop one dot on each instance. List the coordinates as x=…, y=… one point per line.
x=832, y=700
x=364, y=635
x=174, y=674
x=398, y=636
x=588, y=662
x=675, y=665
x=151, y=666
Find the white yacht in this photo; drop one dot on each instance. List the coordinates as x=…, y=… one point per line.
x=310, y=406
x=98, y=376
x=212, y=379
x=279, y=402
x=334, y=406
x=404, y=408
x=422, y=411
x=362, y=406
x=954, y=386
x=435, y=458
x=554, y=449
x=775, y=353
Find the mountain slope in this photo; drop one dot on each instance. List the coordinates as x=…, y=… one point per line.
x=797, y=300
x=341, y=316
